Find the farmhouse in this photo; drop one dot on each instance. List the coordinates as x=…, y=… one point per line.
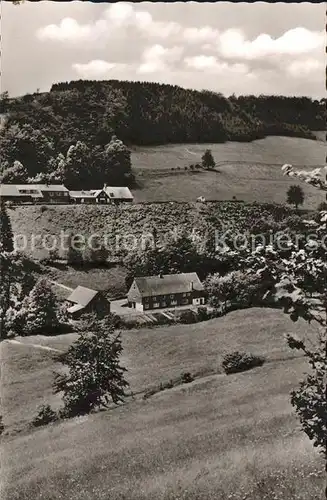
x=92, y=196
x=46, y=193
x=166, y=290
x=85, y=301
x=118, y=194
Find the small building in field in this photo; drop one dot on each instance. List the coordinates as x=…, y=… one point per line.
x=34, y=193
x=166, y=291
x=119, y=194
x=94, y=196
x=86, y=301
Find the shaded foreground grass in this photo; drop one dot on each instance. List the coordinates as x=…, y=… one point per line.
x=212, y=439
x=218, y=437
x=151, y=356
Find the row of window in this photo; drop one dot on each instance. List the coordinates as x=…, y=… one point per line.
x=172, y=296
x=163, y=304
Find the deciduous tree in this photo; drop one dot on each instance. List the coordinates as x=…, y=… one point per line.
x=95, y=376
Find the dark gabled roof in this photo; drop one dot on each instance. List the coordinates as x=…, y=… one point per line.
x=168, y=284
x=82, y=295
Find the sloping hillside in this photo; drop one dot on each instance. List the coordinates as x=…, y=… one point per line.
x=219, y=437
x=37, y=227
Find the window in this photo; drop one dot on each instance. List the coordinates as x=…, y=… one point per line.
x=172, y=296
x=184, y=294
x=156, y=304
x=146, y=306
x=163, y=304
x=154, y=298
x=173, y=302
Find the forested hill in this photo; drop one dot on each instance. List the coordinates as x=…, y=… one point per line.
x=144, y=113
x=66, y=134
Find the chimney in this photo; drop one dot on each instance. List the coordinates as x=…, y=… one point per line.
x=191, y=285
x=104, y=186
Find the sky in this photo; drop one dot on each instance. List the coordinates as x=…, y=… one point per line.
x=256, y=48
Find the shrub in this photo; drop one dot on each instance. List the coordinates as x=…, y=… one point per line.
x=43, y=208
x=322, y=207
x=187, y=317
x=2, y=427
x=186, y=378
x=241, y=361
x=45, y=416
x=202, y=313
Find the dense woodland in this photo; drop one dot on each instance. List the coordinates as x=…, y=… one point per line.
x=70, y=133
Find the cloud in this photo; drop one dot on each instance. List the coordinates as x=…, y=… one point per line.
x=159, y=58
x=115, y=18
x=200, y=35
x=184, y=49
x=68, y=30
x=96, y=68
x=232, y=44
x=212, y=64
x=312, y=67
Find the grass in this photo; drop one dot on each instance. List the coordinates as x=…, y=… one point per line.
x=217, y=437
x=249, y=171
x=153, y=355
x=206, y=440
x=271, y=150
x=111, y=280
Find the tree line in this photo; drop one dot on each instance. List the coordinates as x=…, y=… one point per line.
x=70, y=133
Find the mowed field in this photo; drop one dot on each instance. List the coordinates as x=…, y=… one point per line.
x=249, y=171
x=216, y=438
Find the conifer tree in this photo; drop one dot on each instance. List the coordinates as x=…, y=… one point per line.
x=40, y=309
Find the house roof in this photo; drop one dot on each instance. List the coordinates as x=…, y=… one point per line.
x=10, y=190
x=82, y=296
x=122, y=193
x=168, y=284
x=86, y=193
x=75, y=308
x=15, y=189
x=43, y=187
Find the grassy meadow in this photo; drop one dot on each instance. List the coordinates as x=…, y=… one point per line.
x=249, y=171
x=218, y=437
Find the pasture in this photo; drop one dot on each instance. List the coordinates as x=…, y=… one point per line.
x=248, y=171
x=218, y=437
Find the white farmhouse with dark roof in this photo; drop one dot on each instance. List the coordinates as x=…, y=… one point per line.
x=165, y=291
x=89, y=196
x=118, y=194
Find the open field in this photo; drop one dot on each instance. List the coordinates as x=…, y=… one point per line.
x=150, y=355
x=249, y=171
x=218, y=437
x=255, y=182
x=111, y=281
x=270, y=150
